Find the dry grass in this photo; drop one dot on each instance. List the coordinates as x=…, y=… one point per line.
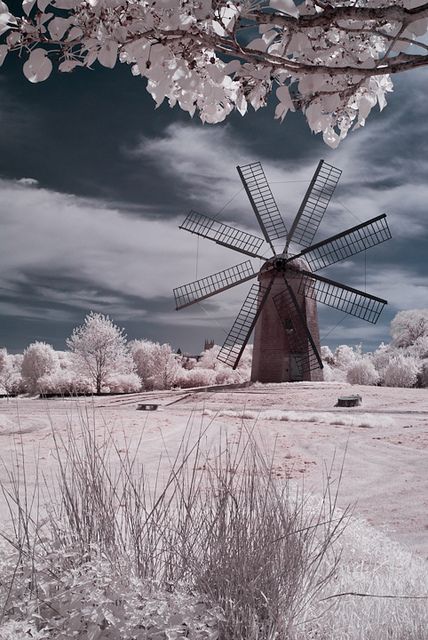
x=217, y=549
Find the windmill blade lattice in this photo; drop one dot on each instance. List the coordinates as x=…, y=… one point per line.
x=241, y=330
x=299, y=337
x=201, y=289
x=223, y=234
x=346, y=244
x=282, y=306
x=314, y=204
x=263, y=203
x=337, y=295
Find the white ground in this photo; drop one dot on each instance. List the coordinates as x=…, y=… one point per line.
x=384, y=443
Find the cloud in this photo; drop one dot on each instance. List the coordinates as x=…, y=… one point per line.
x=29, y=182
x=78, y=253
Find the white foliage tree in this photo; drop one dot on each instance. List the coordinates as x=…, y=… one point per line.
x=3, y=359
x=11, y=381
x=39, y=360
x=331, y=60
x=346, y=356
x=409, y=326
x=224, y=374
x=156, y=364
x=100, y=350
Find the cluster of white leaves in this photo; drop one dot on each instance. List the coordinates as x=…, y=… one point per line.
x=409, y=326
x=99, y=350
x=64, y=382
x=11, y=382
x=332, y=61
x=402, y=371
x=95, y=600
x=403, y=363
x=39, y=360
x=363, y=372
x=156, y=364
x=208, y=370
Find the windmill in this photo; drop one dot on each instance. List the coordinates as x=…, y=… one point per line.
x=282, y=307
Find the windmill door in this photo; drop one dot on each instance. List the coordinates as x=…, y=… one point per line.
x=296, y=373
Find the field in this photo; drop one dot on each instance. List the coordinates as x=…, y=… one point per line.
x=374, y=454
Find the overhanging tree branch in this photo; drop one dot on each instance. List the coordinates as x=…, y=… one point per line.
x=332, y=61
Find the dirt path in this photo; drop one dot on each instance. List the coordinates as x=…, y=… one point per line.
x=383, y=443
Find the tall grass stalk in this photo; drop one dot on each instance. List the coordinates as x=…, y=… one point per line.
x=213, y=548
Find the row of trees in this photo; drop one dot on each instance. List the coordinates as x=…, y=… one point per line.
x=99, y=358
x=402, y=363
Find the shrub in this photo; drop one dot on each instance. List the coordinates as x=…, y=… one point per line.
x=327, y=355
x=124, y=383
x=196, y=377
x=64, y=382
x=345, y=356
x=402, y=371
x=39, y=360
x=363, y=372
x=333, y=374
x=156, y=364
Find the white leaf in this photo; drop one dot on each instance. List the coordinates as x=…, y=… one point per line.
x=27, y=5
x=258, y=45
x=286, y=6
x=69, y=65
x=232, y=67
x=3, y=53
x=108, y=54
x=58, y=26
x=331, y=138
x=285, y=102
x=38, y=67
x=6, y=18
x=74, y=33
x=66, y=4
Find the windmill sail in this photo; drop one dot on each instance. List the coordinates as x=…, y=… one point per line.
x=223, y=234
x=263, y=203
x=337, y=295
x=346, y=244
x=314, y=204
x=196, y=291
x=300, y=338
x=241, y=330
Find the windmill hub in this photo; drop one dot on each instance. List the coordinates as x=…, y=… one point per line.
x=284, y=266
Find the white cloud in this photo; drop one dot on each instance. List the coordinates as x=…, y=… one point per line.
x=44, y=232
x=29, y=182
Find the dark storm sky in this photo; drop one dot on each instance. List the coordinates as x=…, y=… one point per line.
x=94, y=182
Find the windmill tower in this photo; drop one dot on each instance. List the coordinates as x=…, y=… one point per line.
x=282, y=307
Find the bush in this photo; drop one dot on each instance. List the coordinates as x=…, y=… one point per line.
x=63, y=382
x=363, y=372
x=39, y=360
x=156, y=364
x=402, y=371
x=333, y=374
x=196, y=377
x=124, y=383
x=116, y=558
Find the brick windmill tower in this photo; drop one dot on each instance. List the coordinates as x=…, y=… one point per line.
x=282, y=307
